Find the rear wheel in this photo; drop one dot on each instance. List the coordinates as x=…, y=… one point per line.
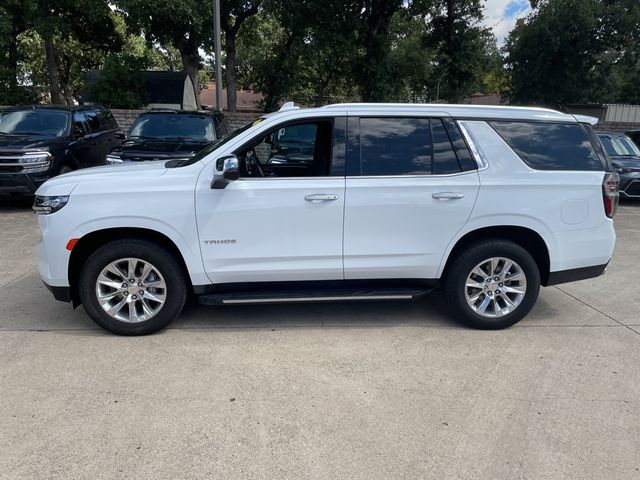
x=493, y=284
x=132, y=287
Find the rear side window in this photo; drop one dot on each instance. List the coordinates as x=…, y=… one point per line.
x=444, y=158
x=550, y=146
x=93, y=121
x=395, y=146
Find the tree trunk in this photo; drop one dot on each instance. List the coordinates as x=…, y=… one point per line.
x=52, y=71
x=230, y=72
x=452, y=71
x=191, y=65
x=12, y=54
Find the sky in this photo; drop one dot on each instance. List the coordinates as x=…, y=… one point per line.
x=501, y=16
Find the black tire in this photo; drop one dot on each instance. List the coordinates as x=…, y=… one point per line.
x=460, y=269
x=160, y=258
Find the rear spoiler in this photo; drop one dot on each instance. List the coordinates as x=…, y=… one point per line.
x=586, y=119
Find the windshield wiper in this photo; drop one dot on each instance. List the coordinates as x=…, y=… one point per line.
x=31, y=133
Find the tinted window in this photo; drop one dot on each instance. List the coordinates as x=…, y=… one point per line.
x=106, y=120
x=550, y=146
x=158, y=125
x=80, y=124
x=43, y=122
x=462, y=151
x=93, y=121
x=395, y=146
x=444, y=158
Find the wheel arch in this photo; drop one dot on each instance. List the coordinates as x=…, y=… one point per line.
x=526, y=237
x=88, y=244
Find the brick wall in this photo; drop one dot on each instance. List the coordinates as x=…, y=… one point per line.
x=235, y=120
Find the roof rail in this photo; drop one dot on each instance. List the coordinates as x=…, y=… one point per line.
x=288, y=106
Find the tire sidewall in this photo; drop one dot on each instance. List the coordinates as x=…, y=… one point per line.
x=148, y=251
x=457, y=277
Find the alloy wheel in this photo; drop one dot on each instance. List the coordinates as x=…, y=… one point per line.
x=131, y=290
x=495, y=287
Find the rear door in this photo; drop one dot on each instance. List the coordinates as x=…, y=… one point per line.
x=411, y=185
x=97, y=139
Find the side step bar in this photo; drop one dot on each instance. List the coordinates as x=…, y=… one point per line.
x=293, y=296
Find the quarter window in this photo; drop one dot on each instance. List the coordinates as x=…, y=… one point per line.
x=395, y=146
x=444, y=158
x=550, y=146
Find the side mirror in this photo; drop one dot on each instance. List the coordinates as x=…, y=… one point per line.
x=229, y=171
x=119, y=135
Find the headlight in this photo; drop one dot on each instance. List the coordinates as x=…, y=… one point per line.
x=33, y=162
x=46, y=205
x=113, y=159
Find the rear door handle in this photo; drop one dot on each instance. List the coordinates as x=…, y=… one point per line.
x=320, y=197
x=448, y=195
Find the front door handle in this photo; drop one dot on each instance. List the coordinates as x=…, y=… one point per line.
x=320, y=197
x=448, y=195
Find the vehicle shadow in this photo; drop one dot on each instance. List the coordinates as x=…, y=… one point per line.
x=15, y=204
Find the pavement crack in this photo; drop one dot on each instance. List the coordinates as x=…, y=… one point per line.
x=17, y=278
x=597, y=310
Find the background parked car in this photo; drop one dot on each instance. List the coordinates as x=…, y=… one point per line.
x=168, y=135
x=39, y=142
x=634, y=135
x=625, y=156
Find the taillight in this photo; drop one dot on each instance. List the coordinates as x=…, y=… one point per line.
x=610, y=194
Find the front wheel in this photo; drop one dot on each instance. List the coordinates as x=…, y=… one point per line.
x=132, y=287
x=493, y=284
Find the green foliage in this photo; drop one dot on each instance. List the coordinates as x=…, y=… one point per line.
x=572, y=51
x=121, y=84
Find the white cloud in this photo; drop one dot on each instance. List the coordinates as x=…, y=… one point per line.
x=501, y=16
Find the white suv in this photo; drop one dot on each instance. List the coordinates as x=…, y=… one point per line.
x=344, y=202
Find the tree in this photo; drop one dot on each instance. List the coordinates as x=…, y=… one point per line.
x=121, y=84
x=186, y=25
x=233, y=15
x=552, y=53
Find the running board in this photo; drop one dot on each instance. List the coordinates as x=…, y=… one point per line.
x=293, y=296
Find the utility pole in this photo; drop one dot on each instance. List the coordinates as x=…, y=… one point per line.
x=218, y=54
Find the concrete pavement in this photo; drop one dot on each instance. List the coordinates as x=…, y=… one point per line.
x=363, y=391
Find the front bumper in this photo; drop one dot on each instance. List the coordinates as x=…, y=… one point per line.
x=21, y=183
x=630, y=185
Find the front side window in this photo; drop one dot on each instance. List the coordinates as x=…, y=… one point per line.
x=35, y=122
x=301, y=149
x=395, y=146
x=550, y=146
x=172, y=126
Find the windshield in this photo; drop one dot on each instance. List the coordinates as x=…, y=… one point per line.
x=195, y=127
x=35, y=122
x=214, y=146
x=619, y=146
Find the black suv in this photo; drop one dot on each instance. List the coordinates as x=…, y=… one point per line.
x=38, y=142
x=165, y=134
x=625, y=158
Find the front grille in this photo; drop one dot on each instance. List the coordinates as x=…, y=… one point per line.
x=9, y=163
x=633, y=188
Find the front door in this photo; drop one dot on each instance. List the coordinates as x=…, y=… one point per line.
x=411, y=187
x=282, y=220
